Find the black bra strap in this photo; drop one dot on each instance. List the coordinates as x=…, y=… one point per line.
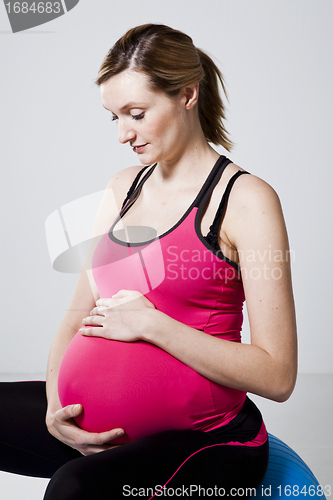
x=133, y=185
x=211, y=181
x=213, y=230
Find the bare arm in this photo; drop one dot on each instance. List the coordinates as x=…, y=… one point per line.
x=82, y=301
x=59, y=420
x=255, y=226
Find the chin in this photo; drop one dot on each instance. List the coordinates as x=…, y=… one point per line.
x=146, y=159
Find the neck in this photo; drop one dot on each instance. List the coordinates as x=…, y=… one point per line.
x=190, y=163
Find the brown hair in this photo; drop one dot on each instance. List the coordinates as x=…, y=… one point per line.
x=172, y=62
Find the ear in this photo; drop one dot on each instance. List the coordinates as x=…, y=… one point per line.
x=191, y=95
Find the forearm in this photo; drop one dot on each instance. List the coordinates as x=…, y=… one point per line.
x=81, y=304
x=58, y=349
x=240, y=366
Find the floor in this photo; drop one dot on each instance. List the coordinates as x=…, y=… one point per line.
x=304, y=422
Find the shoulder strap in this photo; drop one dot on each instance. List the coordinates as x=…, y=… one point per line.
x=213, y=230
x=133, y=193
x=133, y=185
x=211, y=181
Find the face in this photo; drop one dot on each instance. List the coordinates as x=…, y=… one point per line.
x=153, y=124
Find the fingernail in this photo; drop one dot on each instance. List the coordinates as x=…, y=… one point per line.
x=120, y=433
x=76, y=407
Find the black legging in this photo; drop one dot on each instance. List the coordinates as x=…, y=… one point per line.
x=26, y=447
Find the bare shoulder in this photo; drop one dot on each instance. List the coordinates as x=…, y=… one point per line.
x=122, y=181
x=113, y=197
x=253, y=205
x=250, y=192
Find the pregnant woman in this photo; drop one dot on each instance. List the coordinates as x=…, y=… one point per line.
x=147, y=382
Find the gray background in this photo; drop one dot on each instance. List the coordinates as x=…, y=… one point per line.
x=58, y=145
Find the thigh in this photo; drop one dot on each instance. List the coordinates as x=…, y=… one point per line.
x=26, y=446
x=180, y=461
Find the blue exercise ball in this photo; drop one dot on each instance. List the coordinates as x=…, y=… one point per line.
x=288, y=476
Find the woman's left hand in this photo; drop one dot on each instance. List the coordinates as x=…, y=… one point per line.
x=122, y=317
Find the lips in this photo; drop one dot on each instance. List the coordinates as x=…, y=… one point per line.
x=139, y=148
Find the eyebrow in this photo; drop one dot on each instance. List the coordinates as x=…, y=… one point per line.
x=128, y=105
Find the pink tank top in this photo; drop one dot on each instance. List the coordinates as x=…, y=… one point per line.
x=136, y=385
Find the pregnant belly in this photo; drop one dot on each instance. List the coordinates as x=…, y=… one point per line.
x=133, y=385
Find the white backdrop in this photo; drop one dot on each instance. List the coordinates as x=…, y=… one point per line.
x=58, y=144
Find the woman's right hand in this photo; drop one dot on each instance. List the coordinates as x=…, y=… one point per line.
x=62, y=426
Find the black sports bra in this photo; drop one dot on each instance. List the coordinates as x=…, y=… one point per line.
x=200, y=201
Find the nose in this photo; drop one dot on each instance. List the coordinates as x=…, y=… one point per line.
x=125, y=131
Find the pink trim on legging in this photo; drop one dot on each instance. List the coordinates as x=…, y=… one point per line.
x=259, y=440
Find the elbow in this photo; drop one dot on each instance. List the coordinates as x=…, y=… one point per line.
x=284, y=388
x=282, y=395
x=283, y=376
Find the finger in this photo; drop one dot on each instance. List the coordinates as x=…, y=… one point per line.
x=68, y=412
x=91, y=450
x=104, y=438
x=123, y=297
x=121, y=294
x=95, y=331
x=103, y=302
x=85, y=439
x=93, y=320
x=98, y=311
x=127, y=293
x=95, y=438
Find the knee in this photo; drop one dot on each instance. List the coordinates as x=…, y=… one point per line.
x=68, y=483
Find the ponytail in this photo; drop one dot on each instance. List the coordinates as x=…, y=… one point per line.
x=211, y=107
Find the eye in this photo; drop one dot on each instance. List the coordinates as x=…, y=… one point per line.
x=114, y=117
x=138, y=117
